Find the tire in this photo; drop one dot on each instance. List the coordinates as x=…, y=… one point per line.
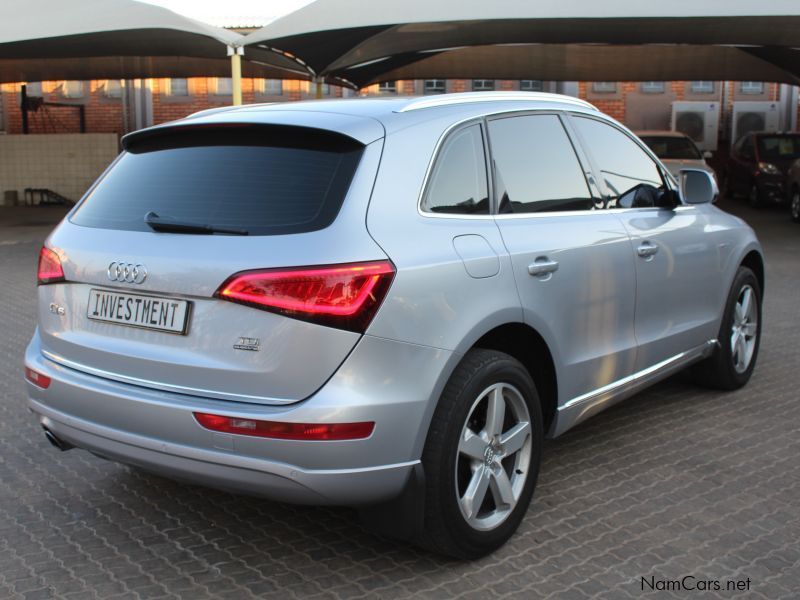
x=794, y=204
x=452, y=525
x=732, y=365
x=754, y=196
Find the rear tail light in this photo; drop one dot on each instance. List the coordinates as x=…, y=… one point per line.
x=286, y=431
x=37, y=379
x=343, y=296
x=50, y=270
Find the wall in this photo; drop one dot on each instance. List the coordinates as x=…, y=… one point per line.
x=66, y=163
x=104, y=113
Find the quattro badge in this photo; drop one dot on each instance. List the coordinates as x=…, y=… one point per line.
x=247, y=343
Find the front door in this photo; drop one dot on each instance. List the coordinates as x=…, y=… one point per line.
x=677, y=274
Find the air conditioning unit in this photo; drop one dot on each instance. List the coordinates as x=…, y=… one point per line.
x=754, y=116
x=699, y=121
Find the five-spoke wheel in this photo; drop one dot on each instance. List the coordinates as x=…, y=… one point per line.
x=493, y=456
x=482, y=455
x=744, y=329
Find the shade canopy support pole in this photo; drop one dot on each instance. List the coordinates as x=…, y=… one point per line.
x=236, y=52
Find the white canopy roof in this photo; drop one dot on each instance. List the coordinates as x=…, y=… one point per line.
x=372, y=41
x=89, y=39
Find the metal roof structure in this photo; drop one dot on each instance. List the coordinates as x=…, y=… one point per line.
x=365, y=42
x=119, y=39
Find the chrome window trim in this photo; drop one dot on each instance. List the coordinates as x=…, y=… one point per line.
x=580, y=151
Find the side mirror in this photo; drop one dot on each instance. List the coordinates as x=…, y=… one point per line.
x=708, y=154
x=697, y=186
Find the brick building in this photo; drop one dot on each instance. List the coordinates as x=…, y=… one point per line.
x=640, y=105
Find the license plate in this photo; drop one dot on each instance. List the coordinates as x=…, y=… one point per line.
x=147, y=312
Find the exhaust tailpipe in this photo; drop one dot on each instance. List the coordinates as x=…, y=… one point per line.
x=55, y=441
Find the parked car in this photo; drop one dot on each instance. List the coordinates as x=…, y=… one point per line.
x=793, y=190
x=385, y=304
x=758, y=166
x=676, y=151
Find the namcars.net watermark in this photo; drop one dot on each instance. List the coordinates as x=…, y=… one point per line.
x=692, y=583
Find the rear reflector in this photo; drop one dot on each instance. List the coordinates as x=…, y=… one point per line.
x=343, y=296
x=37, y=379
x=50, y=270
x=286, y=431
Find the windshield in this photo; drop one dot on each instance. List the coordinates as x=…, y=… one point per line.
x=676, y=148
x=251, y=183
x=778, y=147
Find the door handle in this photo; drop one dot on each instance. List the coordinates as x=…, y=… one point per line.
x=646, y=249
x=542, y=267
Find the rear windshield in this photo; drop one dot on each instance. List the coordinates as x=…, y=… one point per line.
x=264, y=181
x=778, y=147
x=675, y=148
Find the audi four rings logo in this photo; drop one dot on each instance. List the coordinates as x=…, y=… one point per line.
x=127, y=272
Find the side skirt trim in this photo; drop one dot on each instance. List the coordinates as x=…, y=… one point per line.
x=582, y=407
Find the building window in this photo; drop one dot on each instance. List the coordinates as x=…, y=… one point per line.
x=434, y=86
x=702, y=87
x=112, y=88
x=604, y=87
x=752, y=87
x=177, y=87
x=482, y=85
x=72, y=89
x=270, y=87
x=531, y=85
x=387, y=87
x=652, y=87
x=310, y=88
x=33, y=89
x=223, y=86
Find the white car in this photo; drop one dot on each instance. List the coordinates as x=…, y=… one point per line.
x=676, y=150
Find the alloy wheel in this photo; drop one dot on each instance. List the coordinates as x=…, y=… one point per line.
x=494, y=455
x=744, y=329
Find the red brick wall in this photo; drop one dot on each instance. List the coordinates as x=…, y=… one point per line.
x=104, y=115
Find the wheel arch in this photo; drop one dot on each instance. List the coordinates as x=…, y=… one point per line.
x=527, y=345
x=755, y=262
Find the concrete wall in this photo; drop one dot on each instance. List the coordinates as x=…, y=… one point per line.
x=66, y=163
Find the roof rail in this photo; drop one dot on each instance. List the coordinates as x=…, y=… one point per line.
x=468, y=97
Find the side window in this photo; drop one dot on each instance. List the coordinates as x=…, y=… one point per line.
x=535, y=166
x=631, y=178
x=458, y=182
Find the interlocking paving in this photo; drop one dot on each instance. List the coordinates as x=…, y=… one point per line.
x=677, y=481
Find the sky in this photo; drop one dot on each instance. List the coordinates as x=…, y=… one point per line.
x=227, y=13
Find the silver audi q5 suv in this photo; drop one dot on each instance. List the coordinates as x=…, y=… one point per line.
x=385, y=304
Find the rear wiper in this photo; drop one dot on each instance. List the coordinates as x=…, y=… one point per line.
x=168, y=225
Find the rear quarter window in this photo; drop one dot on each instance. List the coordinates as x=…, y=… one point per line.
x=265, y=180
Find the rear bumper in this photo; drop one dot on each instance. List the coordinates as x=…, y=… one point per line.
x=388, y=382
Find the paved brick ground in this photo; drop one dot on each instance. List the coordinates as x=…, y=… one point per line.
x=677, y=481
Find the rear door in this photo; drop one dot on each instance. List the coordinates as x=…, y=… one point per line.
x=571, y=260
x=677, y=263
x=139, y=304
